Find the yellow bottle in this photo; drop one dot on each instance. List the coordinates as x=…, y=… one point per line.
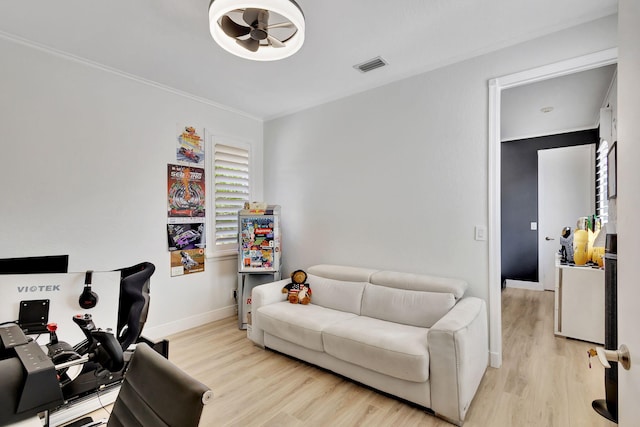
x=598, y=251
x=598, y=256
x=580, y=247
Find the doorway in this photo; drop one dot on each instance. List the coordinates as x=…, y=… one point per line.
x=496, y=86
x=566, y=192
x=520, y=216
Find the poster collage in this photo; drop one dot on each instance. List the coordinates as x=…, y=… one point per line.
x=186, y=203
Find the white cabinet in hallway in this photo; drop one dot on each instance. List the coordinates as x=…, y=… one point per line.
x=579, y=306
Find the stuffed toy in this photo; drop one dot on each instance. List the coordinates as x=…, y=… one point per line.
x=298, y=292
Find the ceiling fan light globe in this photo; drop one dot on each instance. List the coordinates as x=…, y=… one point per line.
x=286, y=8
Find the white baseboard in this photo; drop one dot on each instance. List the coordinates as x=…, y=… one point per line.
x=521, y=284
x=495, y=359
x=159, y=332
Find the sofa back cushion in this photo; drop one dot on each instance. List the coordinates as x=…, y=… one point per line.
x=409, y=307
x=420, y=282
x=336, y=294
x=341, y=272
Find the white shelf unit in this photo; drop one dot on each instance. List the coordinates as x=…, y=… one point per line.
x=579, y=303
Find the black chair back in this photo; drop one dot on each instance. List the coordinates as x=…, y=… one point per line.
x=157, y=393
x=133, y=307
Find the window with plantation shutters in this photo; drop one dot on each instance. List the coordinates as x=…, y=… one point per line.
x=231, y=184
x=602, y=202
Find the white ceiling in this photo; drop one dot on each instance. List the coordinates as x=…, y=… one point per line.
x=576, y=100
x=168, y=42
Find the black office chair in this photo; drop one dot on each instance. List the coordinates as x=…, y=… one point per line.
x=157, y=393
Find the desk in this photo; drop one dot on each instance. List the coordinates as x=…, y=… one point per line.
x=579, y=303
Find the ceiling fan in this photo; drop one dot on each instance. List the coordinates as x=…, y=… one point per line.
x=263, y=30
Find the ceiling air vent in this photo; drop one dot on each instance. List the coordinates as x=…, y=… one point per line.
x=370, y=65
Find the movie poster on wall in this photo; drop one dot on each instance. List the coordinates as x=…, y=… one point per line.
x=187, y=261
x=186, y=236
x=185, y=194
x=190, y=145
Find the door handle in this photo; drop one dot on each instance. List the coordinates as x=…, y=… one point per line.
x=620, y=355
x=549, y=238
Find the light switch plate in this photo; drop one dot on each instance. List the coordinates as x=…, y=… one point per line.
x=481, y=232
x=534, y=225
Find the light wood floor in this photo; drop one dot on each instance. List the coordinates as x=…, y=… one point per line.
x=544, y=381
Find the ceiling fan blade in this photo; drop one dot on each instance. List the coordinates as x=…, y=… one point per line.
x=286, y=24
x=233, y=29
x=249, y=44
x=263, y=19
x=250, y=16
x=275, y=42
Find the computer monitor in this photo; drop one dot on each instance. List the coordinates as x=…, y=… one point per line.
x=35, y=264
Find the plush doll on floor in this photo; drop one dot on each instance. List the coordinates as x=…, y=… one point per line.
x=298, y=291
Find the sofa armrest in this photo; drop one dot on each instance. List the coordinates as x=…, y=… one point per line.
x=458, y=357
x=262, y=295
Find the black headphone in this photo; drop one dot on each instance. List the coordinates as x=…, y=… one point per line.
x=88, y=298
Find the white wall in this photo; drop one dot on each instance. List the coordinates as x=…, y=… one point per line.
x=396, y=177
x=84, y=156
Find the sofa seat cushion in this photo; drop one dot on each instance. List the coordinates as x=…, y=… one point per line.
x=299, y=324
x=390, y=348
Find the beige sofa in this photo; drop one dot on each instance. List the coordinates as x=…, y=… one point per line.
x=412, y=336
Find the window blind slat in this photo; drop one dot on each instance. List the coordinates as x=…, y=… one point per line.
x=228, y=149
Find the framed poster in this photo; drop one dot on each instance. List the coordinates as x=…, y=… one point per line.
x=185, y=194
x=612, y=160
x=187, y=261
x=190, y=145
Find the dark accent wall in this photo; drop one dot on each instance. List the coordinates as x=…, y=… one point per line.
x=519, y=195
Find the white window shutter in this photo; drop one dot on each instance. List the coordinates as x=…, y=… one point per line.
x=232, y=190
x=602, y=196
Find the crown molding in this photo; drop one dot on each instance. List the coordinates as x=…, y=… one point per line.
x=96, y=65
